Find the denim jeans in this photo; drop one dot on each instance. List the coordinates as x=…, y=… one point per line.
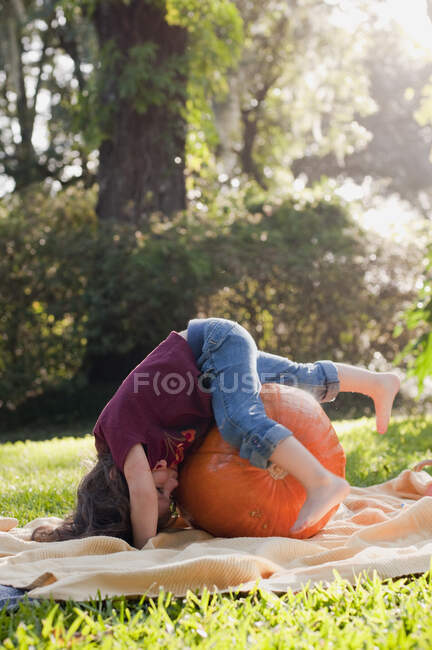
x=236, y=369
x=10, y=597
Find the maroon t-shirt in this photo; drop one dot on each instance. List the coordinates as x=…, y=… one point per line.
x=159, y=405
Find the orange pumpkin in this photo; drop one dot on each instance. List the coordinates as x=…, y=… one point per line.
x=227, y=496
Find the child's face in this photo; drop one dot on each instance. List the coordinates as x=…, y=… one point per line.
x=165, y=480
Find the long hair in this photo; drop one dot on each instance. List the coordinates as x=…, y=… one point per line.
x=103, y=507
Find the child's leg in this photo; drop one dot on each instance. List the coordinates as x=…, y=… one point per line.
x=324, y=490
x=229, y=356
x=319, y=378
x=324, y=379
x=380, y=386
x=229, y=359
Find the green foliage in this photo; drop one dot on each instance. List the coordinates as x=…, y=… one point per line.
x=272, y=87
x=83, y=93
x=39, y=478
x=42, y=65
x=140, y=85
x=216, y=35
x=299, y=89
x=77, y=290
x=138, y=77
x=150, y=78
x=43, y=241
x=419, y=318
x=142, y=285
x=215, y=31
x=299, y=275
x=91, y=118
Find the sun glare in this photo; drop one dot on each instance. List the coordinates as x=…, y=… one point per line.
x=412, y=16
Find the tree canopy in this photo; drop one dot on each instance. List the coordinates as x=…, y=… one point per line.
x=268, y=90
x=166, y=158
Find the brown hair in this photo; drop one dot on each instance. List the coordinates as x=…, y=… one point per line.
x=103, y=507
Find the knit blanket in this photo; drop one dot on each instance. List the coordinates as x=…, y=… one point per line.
x=385, y=528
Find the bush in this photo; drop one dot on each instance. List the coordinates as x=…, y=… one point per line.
x=309, y=284
x=43, y=242
x=84, y=301
x=79, y=295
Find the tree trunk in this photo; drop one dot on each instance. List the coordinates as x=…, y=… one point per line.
x=141, y=163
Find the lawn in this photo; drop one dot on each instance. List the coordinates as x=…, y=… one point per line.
x=39, y=478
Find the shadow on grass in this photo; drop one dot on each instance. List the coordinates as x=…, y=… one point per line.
x=47, y=431
x=55, y=413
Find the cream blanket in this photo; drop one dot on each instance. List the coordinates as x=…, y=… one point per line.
x=386, y=527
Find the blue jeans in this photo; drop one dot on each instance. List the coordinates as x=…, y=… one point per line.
x=10, y=597
x=227, y=354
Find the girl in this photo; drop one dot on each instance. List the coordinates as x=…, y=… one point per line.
x=211, y=370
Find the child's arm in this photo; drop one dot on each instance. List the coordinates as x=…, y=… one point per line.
x=143, y=495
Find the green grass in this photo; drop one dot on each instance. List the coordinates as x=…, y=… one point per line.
x=373, y=458
x=39, y=478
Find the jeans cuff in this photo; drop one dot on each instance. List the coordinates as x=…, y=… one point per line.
x=258, y=449
x=195, y=336
x=331, y=380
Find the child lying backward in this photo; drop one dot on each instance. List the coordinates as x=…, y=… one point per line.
x=211, y=371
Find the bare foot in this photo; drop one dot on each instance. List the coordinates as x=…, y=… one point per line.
x=324, y=496
x=383, y=394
